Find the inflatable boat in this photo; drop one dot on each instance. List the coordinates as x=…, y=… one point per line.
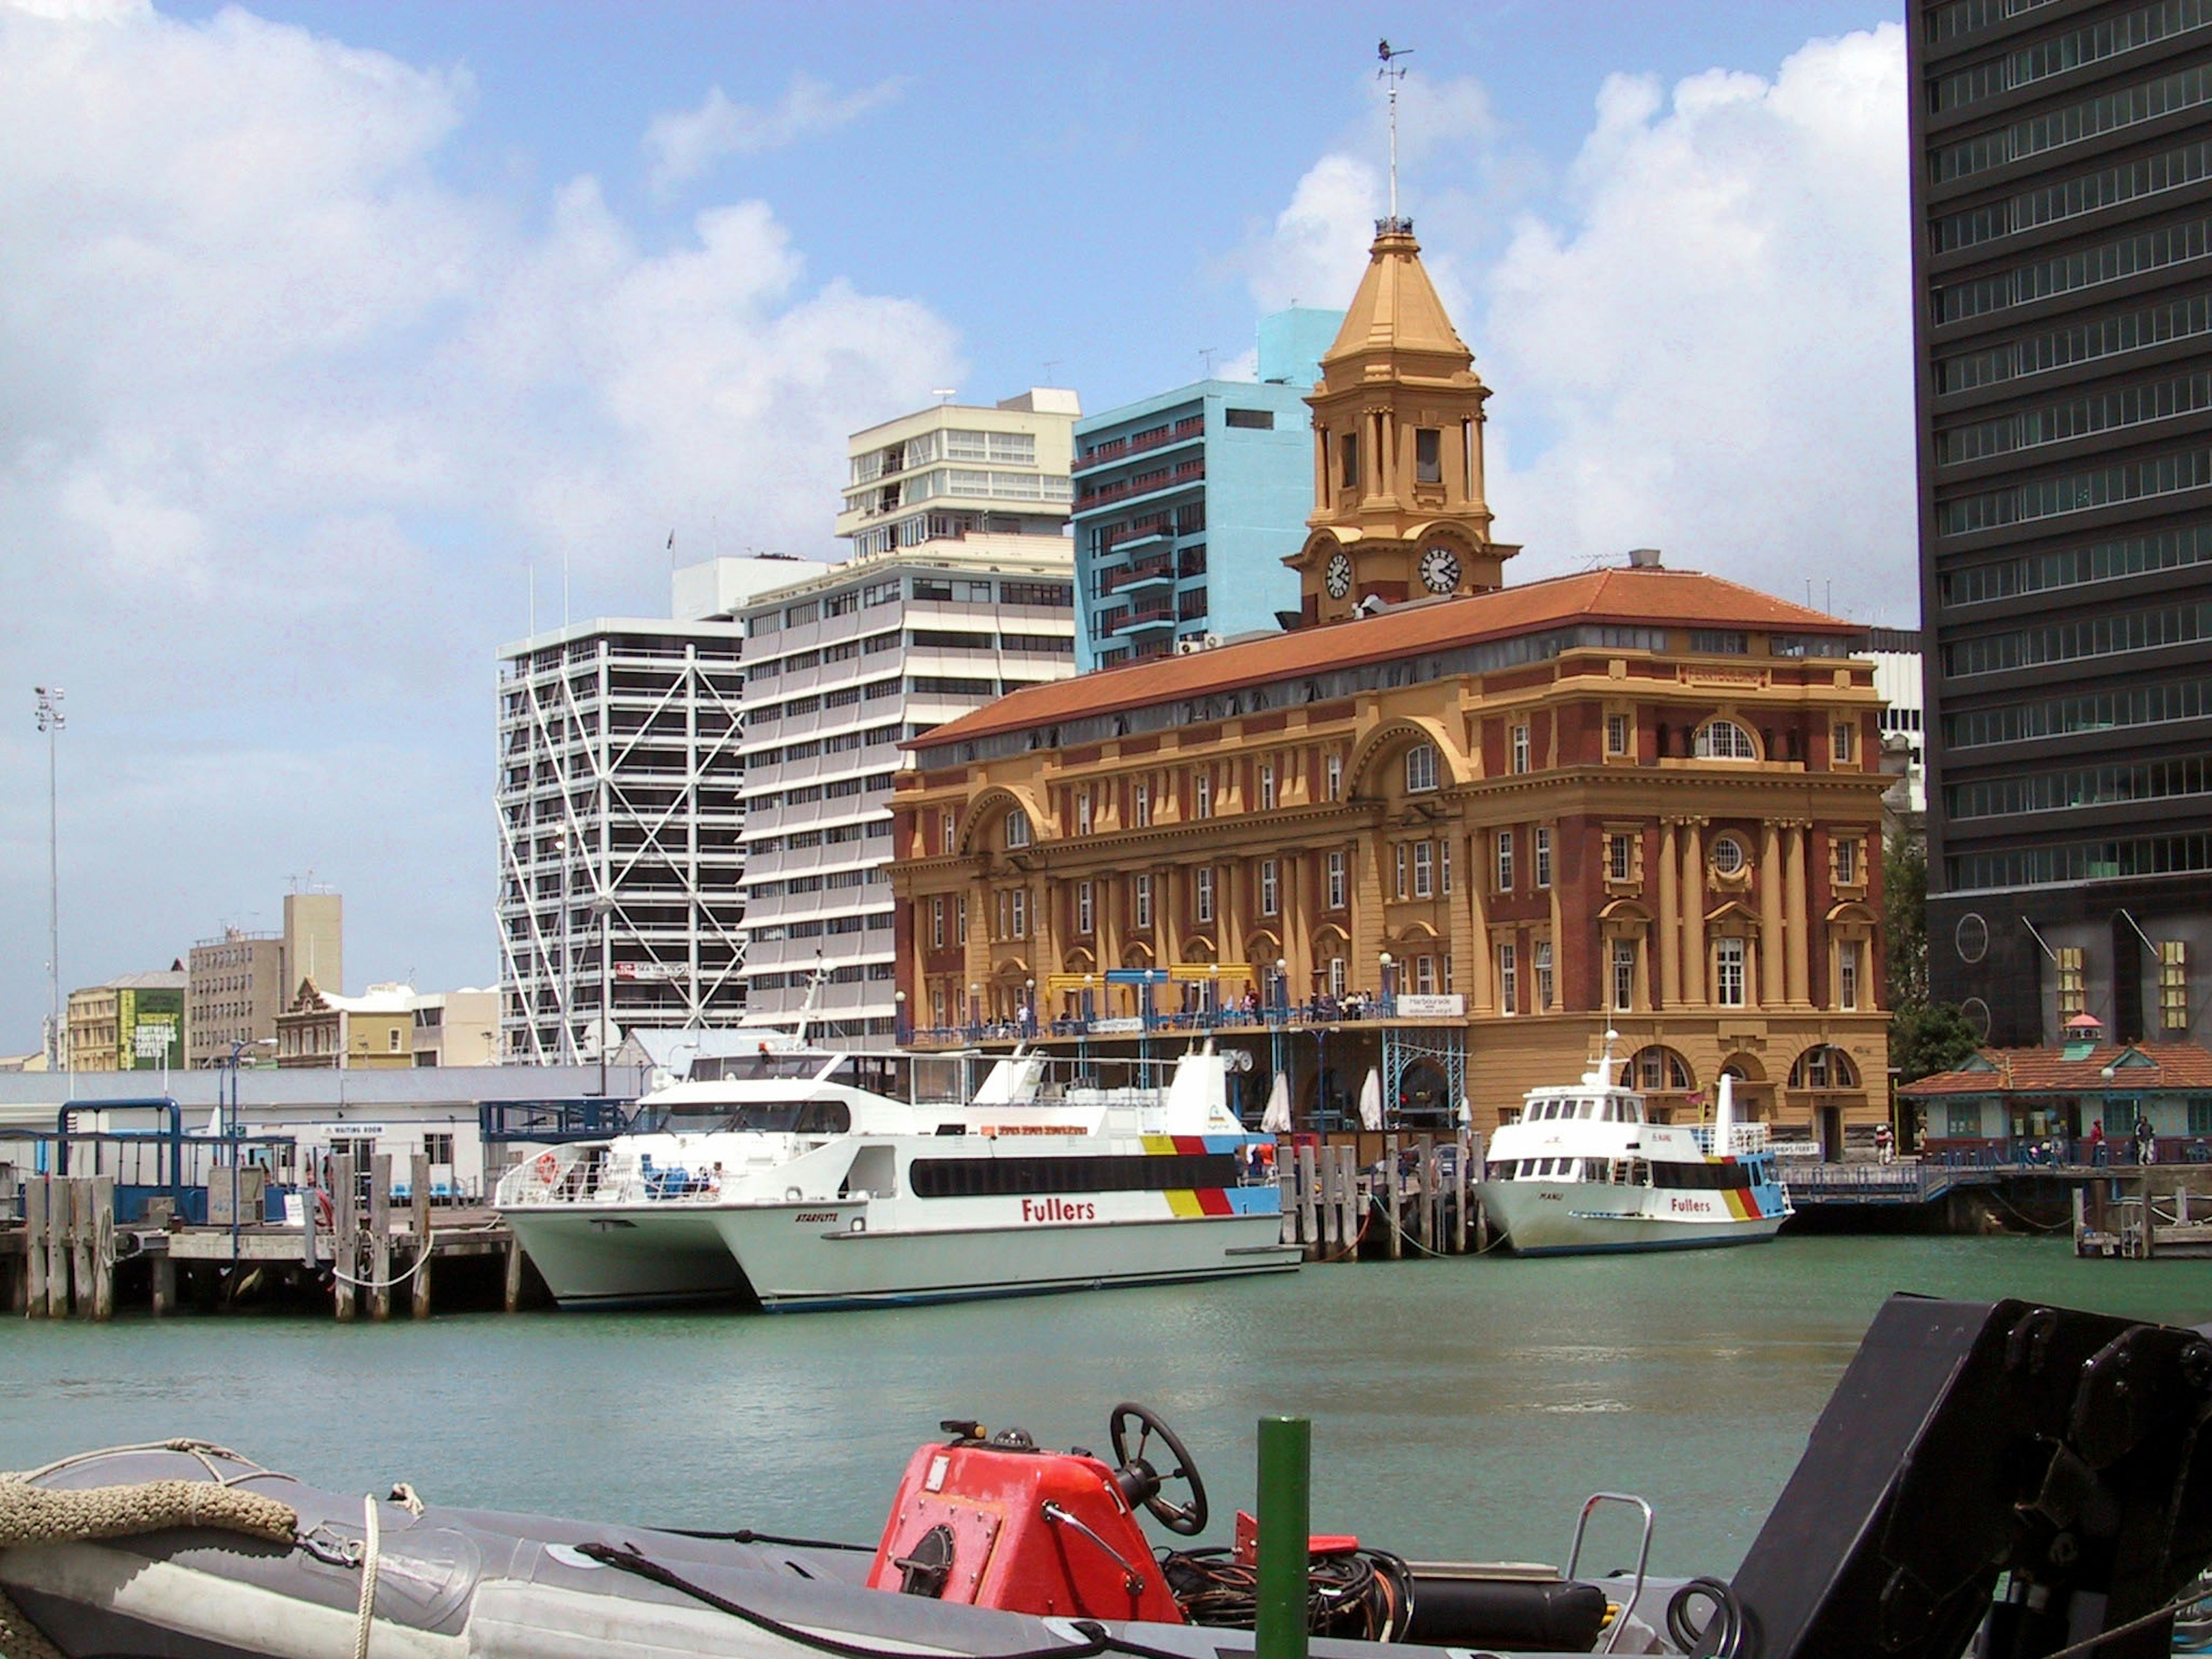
x=2006, y=1478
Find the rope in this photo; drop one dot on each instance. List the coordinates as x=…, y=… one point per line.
x=33, y=1515
x=371, y=1559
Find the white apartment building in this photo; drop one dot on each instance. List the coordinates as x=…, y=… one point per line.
x=619, y=810
x=838, y=671
x=957, y=469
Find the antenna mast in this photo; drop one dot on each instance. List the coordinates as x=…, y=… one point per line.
x=1391, y=73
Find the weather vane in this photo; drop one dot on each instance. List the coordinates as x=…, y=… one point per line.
x=1392, y=73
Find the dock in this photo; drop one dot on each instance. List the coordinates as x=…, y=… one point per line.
x=1356, y=1194
x=367, y=1258
x=2145, y=1212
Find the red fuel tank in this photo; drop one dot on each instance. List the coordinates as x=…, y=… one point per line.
x=1023, y=1531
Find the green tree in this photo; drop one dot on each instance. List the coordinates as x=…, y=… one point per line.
x=1905, y=922
x=1925, y=1037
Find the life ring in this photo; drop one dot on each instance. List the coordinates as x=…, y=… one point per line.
x=546, y=1168
x=326, y=1212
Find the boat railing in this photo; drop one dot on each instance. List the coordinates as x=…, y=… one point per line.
x=1741, y=1139
x=592, y=1176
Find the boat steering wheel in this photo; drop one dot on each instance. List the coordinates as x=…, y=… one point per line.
x=1140, y=1483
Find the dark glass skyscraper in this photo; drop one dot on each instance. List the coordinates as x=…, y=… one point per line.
x=2061, y=196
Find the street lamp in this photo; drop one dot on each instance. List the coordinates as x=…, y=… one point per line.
x=1282, y=984
x=1389, y=996
x=898, y=1017
x=1029, y=1007
x=52, y=722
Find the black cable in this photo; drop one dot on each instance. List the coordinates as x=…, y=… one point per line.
x=629, y=1558
x=1360, y=1595
x=747, y=1536
x=1726, y=1618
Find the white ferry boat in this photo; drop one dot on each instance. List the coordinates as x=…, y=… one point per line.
x=807, y=1178
x=1585, y=1170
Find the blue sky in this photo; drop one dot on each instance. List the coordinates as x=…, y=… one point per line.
x=321, y=326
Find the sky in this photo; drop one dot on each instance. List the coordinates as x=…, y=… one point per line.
x=326, y=328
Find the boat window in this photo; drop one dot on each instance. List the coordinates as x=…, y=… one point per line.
x=1702, y=1176
x=988, y=1177
x=1588, y=1109
x=825, y=1117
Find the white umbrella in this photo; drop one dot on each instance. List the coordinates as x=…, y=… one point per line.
x=1276, y=1120
x=1371, y=1101
x=1466, y=1113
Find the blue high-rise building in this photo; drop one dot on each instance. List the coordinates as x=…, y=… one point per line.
x=1186, y=503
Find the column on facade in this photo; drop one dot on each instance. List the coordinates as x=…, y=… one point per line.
x=1321, y=463
x=1368, y=916
x=1558, y=957
x=1229, y=921
x=1107, y=898
x=1693, y=911
x=1668, y=943
x=982, y=918
x=1800, y=974
x=1297, y=924
x=1480, y=996
x=1770, y=916
x=1045, y=899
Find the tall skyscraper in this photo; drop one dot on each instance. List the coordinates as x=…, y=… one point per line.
x=962, y=589
x=1188, y=502
x=2062, y=193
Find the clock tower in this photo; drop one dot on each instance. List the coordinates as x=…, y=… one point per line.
x=1398, y=512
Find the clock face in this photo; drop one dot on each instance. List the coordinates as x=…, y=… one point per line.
x=1440, y=570
x=1340, y=575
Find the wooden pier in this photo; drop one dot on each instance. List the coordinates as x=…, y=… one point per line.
x=363, y=1257
x=1379, y=1194
x=2145, y=1212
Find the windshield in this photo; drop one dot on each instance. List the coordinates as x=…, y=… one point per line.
x=776, y=1117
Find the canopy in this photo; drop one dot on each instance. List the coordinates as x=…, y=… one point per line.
x=1371, y=1101
x=1276, y=1120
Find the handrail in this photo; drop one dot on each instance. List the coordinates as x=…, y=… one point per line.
x=1643, y=1553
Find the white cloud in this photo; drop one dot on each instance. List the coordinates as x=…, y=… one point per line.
x=284, y=415
x=1719, y=344
x=684, y=143
x=1709, y=350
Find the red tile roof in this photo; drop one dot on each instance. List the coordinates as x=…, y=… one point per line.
x=2048, y=1071
x=1628, y=596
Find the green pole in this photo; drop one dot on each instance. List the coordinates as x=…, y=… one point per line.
x=1285, y=1458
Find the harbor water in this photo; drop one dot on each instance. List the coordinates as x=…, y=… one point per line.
x=1461, y=1407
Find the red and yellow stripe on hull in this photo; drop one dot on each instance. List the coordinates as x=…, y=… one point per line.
x=1186, y=1203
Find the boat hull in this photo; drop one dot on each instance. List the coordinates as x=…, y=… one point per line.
x=813, y=1257
x=638, y=1257
x=1545, y=1217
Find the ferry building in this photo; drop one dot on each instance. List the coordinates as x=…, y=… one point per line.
x=1441, y=827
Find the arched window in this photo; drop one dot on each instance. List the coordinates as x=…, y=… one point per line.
x=1017, y=828
x=1725, y=740
x=1657, y=1068
x=1420, y=768
x=1825, y=1067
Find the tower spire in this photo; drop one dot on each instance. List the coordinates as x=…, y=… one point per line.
x=1391, y=73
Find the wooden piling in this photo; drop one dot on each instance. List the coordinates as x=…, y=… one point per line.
x=345, y=1219
x=103, y=1247
x=1393, y=1198
x=81, y=1230
x=1309, y=1223
x=380, y=1236
x=418, y=1191
x=58, y=1248
x=512, y=1298
x=1460, y=1188
x=2149, y=1219
x=35, y=1194
x=164, y=1285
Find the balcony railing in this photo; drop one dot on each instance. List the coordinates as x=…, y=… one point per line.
x=1120, y=449
x=1182, y=473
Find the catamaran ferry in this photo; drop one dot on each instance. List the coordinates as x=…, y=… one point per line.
x=1584, y=1171
x=808, y=1178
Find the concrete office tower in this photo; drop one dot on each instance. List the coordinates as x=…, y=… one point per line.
x=964, y=589
x=2061, y=215
x=314, y=940
x=1186, y=503
x=618, y=816
x=1897, y=679
x=236, y=990
x=956, y=470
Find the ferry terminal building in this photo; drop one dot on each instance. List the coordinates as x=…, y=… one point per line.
x=1505, y=820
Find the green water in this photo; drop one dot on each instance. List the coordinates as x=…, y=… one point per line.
x=1460, y=1407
